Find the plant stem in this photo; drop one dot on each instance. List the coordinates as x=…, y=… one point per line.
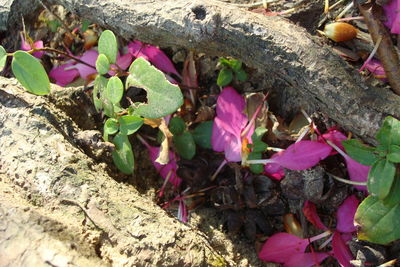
x=49, y=49
x=223, y=163
x=347, y=181
x=322, y=235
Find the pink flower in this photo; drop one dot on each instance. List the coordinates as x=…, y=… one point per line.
x=392, y=12
x=229, y=125
x=375, y=67
x=67, y=73
x=25, y=46
x=287, y=249
x=152, y=54
x=298, y=156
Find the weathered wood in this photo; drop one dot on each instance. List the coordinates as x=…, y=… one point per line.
x=91, y=217
x=304, y=72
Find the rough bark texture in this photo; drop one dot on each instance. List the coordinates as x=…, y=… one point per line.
x=59, y=207
x=305, y=73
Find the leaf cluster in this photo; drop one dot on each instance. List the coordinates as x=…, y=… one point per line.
x=378, y=213
x=230, y=68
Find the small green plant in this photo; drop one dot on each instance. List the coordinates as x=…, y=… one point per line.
x=379, y=214
x=230, y=68
x=163, y=98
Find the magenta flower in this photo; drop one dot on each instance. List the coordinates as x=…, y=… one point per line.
x=298, y=156
x=25, y=46
x=290, y=250
x=287, y=249
x=375, y=67
x=310, y=212
x=345, y=215
x=152, y=54
x=392, y=12
x=64, y=74
x=67, y=73
x=229, y=125
x=357, y=171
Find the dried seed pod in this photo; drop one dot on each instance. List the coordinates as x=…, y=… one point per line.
x=340, y=31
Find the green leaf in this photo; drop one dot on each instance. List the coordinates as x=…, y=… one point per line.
x=108, y=46
x=360, y=152
x=3, y=57
x=202, y=134
x=111, y=126
x=377, y=222
x=394, y=197
x=108, y=108
x=235, y=64
x=163, y=98
x=130, y=124
x=30, y=73
x=177, y=126
x=99, y=86
x=258, y=145
x=102, y=64
x=114, y=90
x=241, y=75
x=225, y=77
x=224, y=62
x=85, y=25
x=123, y=155
x=394, y=154
x=380, y=178
x=389, y=133
x=53, y=25
x=184, y=145
x=256, y=168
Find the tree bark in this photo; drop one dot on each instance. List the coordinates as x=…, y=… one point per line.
x=303, y=72
x=59, y=207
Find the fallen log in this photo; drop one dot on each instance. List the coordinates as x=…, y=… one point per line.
x=64, y=207
x=302, y=71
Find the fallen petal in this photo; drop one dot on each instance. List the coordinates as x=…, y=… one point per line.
x=282, y=246
x=345, y=215
x=89, y=57
x=341, y=251
x=303, y=155
x=392, y=12
x=63, y=77
x=310, y=211
x=38, y=44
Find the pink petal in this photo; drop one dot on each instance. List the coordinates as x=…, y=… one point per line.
x=233, y=149
x=135, y=48
x=228, y=125
x=25, y=46
x=63, y=77
x=219, y=136
x=335, y=137
x=345, y=215
x=164, y=170
x=230, y=107
x=38, y=44
x=341, y=251
x=357, y=172
x=274, y=170
x=375, y=67
x=153, y=54
x=281, y=246
x=303, y=155
x=123, y=62
x=89, y=57
x=306, y=259
x=392, y=12
x=310, y=211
